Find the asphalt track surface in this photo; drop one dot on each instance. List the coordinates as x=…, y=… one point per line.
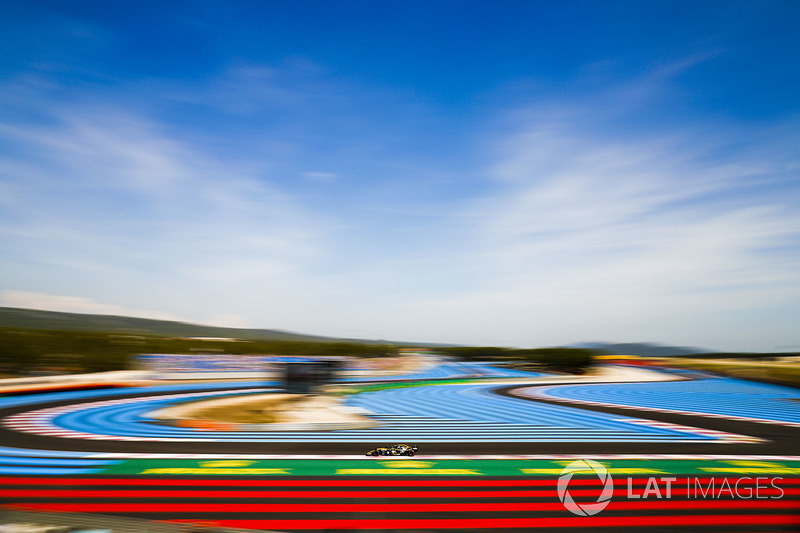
x=779, y=440
x=485, y=503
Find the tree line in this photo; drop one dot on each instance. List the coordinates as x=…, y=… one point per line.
x=574, y=360
x=23, y=351
x=31, y=351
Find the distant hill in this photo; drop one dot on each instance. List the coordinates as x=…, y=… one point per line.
x=12, y=317
x=35, y=319
x=643, y=349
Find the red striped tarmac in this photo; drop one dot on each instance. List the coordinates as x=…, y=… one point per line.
x=516, y=523
x=339, y=482
x=406, y=504
x=69, y=493
x=82, y=507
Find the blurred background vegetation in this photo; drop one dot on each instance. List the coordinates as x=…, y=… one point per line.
x=36, y=342
x=31, y=351
x=35, y=351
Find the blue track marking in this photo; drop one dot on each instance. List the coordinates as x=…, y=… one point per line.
x=452, y=370
x=23, y=452
x=15, y=401
x=18, y=461
x=23, y=471
x=440, y=413
x=715, y=396
x=51, y=461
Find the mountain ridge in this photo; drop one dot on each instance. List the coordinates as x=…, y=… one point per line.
x=15, y=317
x=643, y=349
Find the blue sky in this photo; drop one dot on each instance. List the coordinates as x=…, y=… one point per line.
x=507, y=173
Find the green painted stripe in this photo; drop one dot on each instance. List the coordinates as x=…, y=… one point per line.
x=447, y=467
x=355, y=388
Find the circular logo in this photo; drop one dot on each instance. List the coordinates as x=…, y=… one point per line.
x=585, y=466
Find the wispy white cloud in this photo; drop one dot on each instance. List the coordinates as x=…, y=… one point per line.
x=320, y=176
x=609, y=235
x=73, y=304
x=583, y=228
x=113, y=203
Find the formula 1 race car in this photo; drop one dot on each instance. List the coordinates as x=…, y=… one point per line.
x=394, y=449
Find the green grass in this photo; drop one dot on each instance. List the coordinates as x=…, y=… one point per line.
x=355, y=389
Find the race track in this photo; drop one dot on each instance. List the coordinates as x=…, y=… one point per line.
x=499, y=447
